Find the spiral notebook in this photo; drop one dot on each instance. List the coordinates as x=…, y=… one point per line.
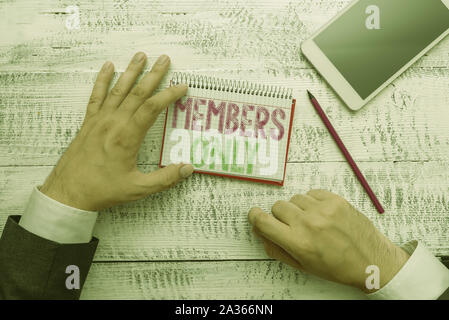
x=229, y=128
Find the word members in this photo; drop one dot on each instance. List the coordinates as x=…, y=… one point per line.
x=227, y=136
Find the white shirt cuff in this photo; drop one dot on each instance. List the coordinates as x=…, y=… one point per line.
x=52, y=220
x=422, y=277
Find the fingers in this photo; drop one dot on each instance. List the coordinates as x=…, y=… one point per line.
x=100, y=90
x=148, y=112
x=166, y=177
x=125, y=82
x=304, y=202
x=145, y=88
x=270, y=227
x=320, y=194
x=286, y=212
x=276, y=252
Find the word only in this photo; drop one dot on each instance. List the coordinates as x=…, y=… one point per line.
x=227, y=136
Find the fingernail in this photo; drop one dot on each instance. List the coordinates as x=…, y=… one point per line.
x=139, y=57
x=251, y=214
x=186, y=170
x=107, y=65
x=163, y=59
x=181, y=86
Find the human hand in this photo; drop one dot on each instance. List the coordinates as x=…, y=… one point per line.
x=321, y=233
x=99, y=169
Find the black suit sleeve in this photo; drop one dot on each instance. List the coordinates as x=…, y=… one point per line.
x=35, y=268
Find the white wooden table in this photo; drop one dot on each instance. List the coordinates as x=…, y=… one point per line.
x=194, y=241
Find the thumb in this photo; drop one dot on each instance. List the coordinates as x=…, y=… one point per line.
x=278, y=253
x=167, y=177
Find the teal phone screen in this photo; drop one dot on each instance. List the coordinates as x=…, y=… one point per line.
x=369, y=57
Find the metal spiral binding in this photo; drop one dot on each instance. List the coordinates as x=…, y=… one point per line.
x=234, y=86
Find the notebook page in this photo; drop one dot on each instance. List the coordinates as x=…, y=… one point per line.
x=229, y=133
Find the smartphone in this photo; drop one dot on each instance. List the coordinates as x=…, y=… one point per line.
x=364, y=48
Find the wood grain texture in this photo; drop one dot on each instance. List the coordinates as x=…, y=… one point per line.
x=40, y=114
x=194, y=241
x=209, y=280
x=245, y=36
x=205, y=218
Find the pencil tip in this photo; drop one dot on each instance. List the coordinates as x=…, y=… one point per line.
x=310, y=95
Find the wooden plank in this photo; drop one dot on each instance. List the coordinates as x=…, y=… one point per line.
x=253, y=36
x=401, y=140
x=209, y=280
x=205, y=218
x=40, y=114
